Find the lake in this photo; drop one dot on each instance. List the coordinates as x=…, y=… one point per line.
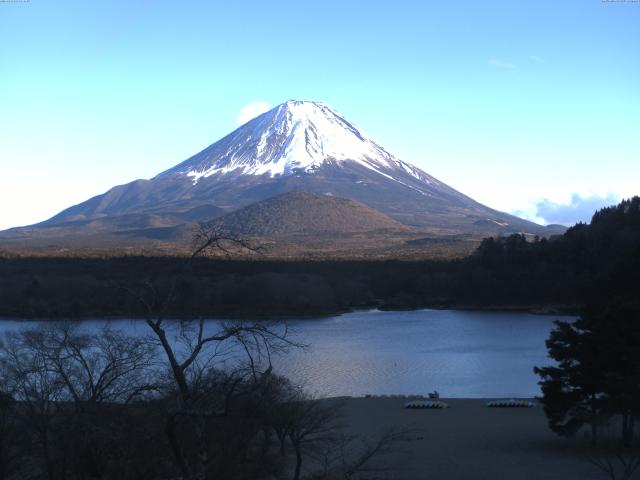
x=459, y=353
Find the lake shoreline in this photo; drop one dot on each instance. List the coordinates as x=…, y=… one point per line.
x=461, y=353
x=547, y=310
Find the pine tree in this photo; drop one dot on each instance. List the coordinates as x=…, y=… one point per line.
x=597, y=375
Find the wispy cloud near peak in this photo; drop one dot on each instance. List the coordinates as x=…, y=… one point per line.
x=494, y=62
x=251, y=111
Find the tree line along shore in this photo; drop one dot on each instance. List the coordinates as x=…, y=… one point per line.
x=589, y=263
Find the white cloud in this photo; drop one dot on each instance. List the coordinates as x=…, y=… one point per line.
x=537, y=59
x=494, y=62
x=251, y=111
x=580, y=207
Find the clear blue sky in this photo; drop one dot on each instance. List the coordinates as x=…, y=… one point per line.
x=513, y=103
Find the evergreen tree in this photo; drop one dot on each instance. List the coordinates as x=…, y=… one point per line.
x=597, y=375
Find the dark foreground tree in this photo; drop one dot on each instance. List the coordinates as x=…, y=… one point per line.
x=193, y=350
x=10, y=437
x=72, y=393
x=597, y=375
x=613, y=459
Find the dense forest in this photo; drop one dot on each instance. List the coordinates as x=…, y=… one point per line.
x=588, y=263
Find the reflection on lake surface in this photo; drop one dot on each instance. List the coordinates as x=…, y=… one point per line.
x=458, y=353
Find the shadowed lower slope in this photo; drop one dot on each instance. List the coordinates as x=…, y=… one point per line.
x=300, y=212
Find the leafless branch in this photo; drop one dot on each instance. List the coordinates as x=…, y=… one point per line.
x=212, y=236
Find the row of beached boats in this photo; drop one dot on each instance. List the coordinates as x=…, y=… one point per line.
x=439, y=404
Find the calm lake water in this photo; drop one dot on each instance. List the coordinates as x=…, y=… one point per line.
x=459, y=353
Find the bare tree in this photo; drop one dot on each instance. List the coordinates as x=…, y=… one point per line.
x=617, y=465
x=62, y=379
x=352, y=456
x=282, y=418
x=615, y=459
x=38, y=389
x=313, y=424
x=9, y=434
x=191, y=350
x=315, y=431
x=212, y=237
x=107, y=366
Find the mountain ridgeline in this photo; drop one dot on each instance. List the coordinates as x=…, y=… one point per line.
x=588, y=264
x=297, y=146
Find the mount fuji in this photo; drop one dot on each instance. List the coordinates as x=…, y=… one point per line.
x=296, y=146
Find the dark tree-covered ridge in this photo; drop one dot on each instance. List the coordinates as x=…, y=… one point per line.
x=592, y=262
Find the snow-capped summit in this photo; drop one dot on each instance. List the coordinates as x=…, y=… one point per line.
x=292, y=137
x=295, y=146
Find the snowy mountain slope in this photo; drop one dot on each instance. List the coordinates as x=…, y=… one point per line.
x=299, y=146
x=295, y=136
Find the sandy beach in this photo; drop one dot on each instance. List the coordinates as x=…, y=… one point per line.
x=470, y=441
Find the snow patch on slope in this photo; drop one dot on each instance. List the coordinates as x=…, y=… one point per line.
x=296, y=136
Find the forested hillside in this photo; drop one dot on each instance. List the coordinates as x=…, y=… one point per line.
x=589, y=263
